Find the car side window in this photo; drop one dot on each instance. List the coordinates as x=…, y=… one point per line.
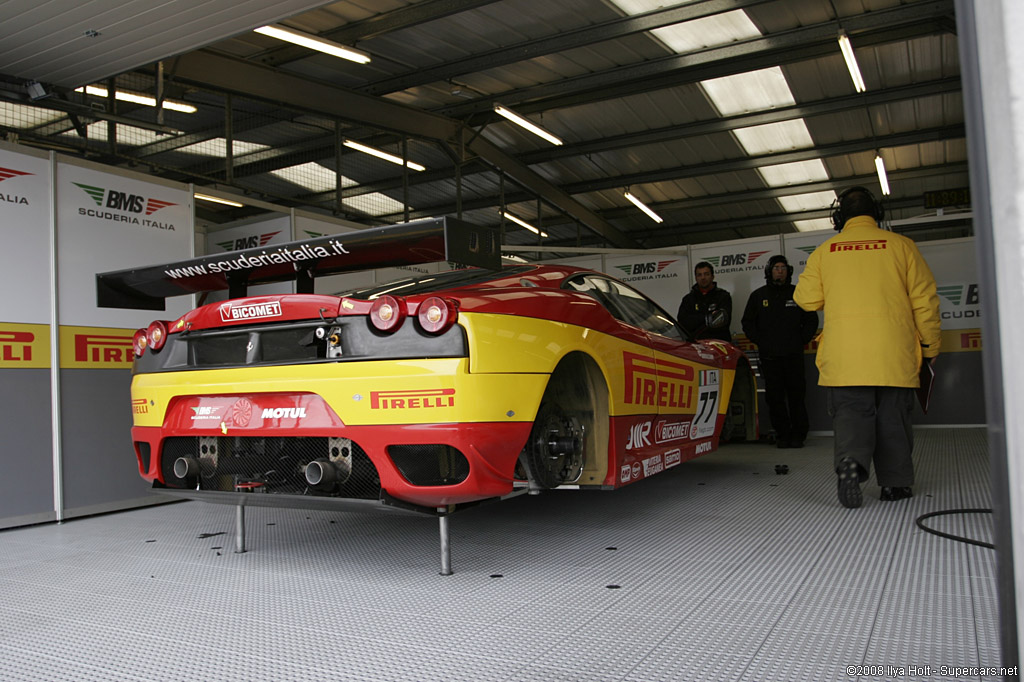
x=626, y=304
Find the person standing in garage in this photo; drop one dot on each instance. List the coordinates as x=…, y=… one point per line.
x=881, y=322
x=781, y=329
x=706, y=311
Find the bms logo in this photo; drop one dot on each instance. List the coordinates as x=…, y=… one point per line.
x=123, y=201
x=645, y=268
x=734, y=259
x=6, y=174
x=248, y=242
x=960, y=295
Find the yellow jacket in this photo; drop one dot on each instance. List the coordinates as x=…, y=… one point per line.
x=881, y=310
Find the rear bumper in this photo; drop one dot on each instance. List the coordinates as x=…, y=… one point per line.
x=491, y=450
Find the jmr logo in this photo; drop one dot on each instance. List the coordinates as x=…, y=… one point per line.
x=639, y=436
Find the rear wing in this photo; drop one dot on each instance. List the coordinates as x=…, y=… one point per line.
x=421, y=241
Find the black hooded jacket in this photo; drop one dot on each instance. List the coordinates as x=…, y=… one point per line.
x=773, y=320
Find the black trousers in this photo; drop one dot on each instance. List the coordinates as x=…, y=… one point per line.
x=784, y=392
x=872, y=423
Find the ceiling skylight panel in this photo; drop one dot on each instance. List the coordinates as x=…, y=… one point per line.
x=796, y=173
x=812, y=225
x=375, y=204
x=808, y=202
x=752, y=91
x=19, y=116
x=311, y=176
x=783, y=136
x=698, y=34
x=218, y=147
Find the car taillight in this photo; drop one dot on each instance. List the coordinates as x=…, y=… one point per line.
x=156, y=335
x=139, y=343
x=436, y=315
x=387, y=313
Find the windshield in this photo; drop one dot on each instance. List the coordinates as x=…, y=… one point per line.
x=424, y=284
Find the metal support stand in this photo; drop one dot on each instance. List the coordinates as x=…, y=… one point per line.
x=446, y=547
x=240, y=529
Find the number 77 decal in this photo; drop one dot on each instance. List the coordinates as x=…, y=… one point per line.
x=703, y=425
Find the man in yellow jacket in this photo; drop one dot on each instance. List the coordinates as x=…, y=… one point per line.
x=881, y=322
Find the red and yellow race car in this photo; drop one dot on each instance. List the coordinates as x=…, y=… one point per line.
x=430, y=392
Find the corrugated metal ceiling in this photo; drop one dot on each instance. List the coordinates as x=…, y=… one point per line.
x=631, y=109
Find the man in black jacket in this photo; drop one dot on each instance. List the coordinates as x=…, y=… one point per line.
x=781, y=329
x=697, y=311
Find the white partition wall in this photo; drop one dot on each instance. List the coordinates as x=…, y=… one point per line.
x=106, y=220
x=27, y=491
x=64, y=362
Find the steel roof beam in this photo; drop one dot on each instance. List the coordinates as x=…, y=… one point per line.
x=230, y=74
x=567, y=40
x=872, y=28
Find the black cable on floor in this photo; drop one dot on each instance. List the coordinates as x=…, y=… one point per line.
x=969, y=541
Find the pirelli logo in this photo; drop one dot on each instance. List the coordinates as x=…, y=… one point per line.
x=654, y=382
x=864, y=245
x=253, y=311
x=24, y=345
x=95, y=348
x=412, y=400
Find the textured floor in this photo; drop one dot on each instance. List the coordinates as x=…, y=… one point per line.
x=716, y=570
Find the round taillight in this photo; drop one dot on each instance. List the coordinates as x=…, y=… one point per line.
x=436, y=315
x=387, y=313
x=139, y=343
x=156, y=335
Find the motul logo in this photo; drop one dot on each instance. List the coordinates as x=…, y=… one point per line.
x=253, y=311
x=284, y=412
x=868, y=245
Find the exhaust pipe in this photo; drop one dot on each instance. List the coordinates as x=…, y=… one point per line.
x=191, y=467
x=323, y=473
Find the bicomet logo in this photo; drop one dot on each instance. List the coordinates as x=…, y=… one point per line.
x=124, y=207
x=6, y=174
x=735, y=262
x=248, y=242
x=649, y=270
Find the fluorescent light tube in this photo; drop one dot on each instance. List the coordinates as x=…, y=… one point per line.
x=218, y=200
x=643, y=207
x=851, y=61
x=523, y=223
x=135, y=98
x=520, y=121
x=882, y=179
x=313, y=43
x=380, y=154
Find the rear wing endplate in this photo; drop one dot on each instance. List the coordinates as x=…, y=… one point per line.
x=421, y=241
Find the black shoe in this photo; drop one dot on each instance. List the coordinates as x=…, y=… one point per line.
x=892, y=494
x=796, y=443
x=783, y=444
x=850, y=495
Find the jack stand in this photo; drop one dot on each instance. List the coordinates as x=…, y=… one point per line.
x=446, y=547
x=240, y=529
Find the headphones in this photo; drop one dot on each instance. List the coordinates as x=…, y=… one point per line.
x=839, y=219
x=772, y=262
